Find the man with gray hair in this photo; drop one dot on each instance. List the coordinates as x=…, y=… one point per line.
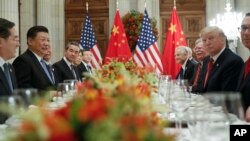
x=200, y=54
x=221, y=69
x=187, y=66
x=244, y=79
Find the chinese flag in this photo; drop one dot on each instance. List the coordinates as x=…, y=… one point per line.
x=174, y=38
x=118, y=45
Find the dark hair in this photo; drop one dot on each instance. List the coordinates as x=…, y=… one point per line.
x=32, y=32
x=5, y=27
x=75, y=43
x=247, y=14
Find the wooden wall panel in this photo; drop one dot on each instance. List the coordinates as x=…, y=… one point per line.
x=75, y=13
x=191, y=14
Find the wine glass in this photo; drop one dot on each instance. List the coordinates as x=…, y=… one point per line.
x=226, y=108
x=72, y=88
x=164, y=94
x=197, y=122
x=29, y=96
x=179, y=105
x=9, y=106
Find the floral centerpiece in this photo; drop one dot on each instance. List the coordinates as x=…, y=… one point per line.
x=132, y=22
x=113, y=106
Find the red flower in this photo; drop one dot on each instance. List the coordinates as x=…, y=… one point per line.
x=60, y=128
x=94, y=110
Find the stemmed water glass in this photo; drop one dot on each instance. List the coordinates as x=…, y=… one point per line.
x=9, y=107
x=29, y=96
x=164, y=87
x=226, y=108
x=72, y=86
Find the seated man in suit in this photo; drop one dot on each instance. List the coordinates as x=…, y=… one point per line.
x=65, y=68
x=31, y=70
x=47, y=60
x=221, y=69
x=200, y=54
x=9, y=42
x=187, y=65
x=244, y=79
x=85, y=65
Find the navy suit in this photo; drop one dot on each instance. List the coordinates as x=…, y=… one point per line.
x=4, y=87
x=63, y=71
x=30, y=73
x=82, y=69
x=224, y=74
x=189, y=70
x=244, y=88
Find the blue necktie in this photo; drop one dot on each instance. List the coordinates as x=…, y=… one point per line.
x=44, y=66
x=7, y=75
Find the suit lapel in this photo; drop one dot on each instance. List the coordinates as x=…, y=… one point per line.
x=38, y=65
x=4, y=80
x=68, y=69
x=13, y=77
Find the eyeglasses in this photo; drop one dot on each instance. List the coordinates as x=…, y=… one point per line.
x=244, y=28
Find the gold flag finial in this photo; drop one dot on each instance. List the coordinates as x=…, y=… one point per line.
x=145, y=4
x=174, y=3
x=87, y=6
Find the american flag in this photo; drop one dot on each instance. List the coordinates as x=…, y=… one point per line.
x=88, y=42
x=147, y=52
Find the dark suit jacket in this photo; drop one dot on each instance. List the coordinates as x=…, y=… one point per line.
x=244, y=88
x=63, y=72
x=189, y=70
x=224, y=74
x=82, y=69
x=4, y=87
x=30, y=73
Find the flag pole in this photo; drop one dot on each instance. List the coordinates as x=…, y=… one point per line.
x=175, y=4
x=117, y=5
x=87, y=7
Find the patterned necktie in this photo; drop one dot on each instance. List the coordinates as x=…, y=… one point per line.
x=73, y=71
x=209, y=69
x=198, y=72
x=44, y=66
x=7, y=75
x=247, y=68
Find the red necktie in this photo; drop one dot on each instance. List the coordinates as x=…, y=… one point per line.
x=247, y=68
x=209, y=68
x=198, y=71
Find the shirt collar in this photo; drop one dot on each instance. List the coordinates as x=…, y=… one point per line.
x=184, y=64
x=67, y=62
x=2, y=62
x=215, y=57
x=85, y=64
x=37, y=56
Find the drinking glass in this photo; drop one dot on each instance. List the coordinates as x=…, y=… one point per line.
x=72, y=83
x=226, y=108
x=179, y=105
x=197, y=122
x=9, y=106
x=29, y=96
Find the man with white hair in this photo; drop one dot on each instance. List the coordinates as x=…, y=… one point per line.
x=182, y=57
